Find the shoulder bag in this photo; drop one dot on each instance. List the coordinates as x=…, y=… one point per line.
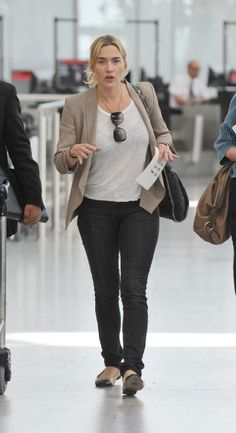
x=14, y=201
x=211, y=218
x=175, y=204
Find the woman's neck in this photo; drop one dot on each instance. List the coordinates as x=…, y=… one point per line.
x=110, y=98
x=109, y=93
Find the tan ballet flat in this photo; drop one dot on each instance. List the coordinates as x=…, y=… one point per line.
x=105, y=378
x=132, y=384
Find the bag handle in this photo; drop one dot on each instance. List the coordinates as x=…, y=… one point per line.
x=144, y=101
x=142, y=98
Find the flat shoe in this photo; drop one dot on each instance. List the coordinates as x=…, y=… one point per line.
x=108, y=381
x=132, y=384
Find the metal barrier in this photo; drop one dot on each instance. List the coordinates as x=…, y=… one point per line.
x=48, y=119
x=49, y=122
x=197, y=138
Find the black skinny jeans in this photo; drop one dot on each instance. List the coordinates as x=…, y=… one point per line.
x=232, y=220
x=110, y=230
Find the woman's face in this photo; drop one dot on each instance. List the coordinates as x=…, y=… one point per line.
x=109, y=67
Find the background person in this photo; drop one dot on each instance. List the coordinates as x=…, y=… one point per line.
x=226, y=149
x=15, y=144
x=106, y=140
x=187, y=89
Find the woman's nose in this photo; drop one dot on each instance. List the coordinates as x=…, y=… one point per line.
x=109, y=66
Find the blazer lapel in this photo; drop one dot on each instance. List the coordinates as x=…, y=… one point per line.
x=142, y=110
x=91, y=109
x=152, y=138
x=90, y=131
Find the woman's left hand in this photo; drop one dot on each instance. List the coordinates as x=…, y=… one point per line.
x=166, y=153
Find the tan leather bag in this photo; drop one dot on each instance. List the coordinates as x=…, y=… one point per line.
x=211, y=218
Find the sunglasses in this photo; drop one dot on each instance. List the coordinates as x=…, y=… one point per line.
x=119, y=134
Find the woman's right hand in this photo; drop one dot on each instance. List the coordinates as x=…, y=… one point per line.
x=81, y=152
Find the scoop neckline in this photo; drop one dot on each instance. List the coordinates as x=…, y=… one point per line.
x=123, y=111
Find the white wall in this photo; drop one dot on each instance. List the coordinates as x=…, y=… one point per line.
x=187, y=29
x=199, y=33
x=28, y=33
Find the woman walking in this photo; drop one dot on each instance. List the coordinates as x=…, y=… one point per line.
x=106, y=140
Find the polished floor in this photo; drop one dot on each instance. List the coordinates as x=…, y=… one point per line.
x=190, y=372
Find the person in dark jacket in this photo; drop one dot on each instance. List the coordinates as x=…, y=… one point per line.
x=15, y=144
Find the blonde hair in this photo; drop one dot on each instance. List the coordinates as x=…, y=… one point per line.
x=95, y=48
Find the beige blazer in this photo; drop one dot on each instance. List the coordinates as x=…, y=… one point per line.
x=78, y=125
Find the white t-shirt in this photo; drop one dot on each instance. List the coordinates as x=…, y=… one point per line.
x=181, y=85
x=114, y=169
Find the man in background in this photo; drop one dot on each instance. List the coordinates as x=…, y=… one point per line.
x=187, y=89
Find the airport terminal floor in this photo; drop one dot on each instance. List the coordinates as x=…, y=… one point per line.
x=190, y=359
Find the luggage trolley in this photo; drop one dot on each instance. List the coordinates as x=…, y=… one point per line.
x=5, y=355
x=9, y=207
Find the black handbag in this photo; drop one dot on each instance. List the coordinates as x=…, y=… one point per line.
x=15, y=208
x=175, y=204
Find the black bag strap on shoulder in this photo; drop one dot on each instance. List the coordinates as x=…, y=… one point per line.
x=142, y=98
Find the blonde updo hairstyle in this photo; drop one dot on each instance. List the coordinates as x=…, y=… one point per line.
x=95, y=48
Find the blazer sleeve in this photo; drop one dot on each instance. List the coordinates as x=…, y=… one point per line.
x=18, y=147
x=67, y=137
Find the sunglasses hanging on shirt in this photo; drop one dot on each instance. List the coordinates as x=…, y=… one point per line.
x=119, y=134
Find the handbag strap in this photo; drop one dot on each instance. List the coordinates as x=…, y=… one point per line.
x=144, y=101
x=142, y=98
x=222, y=177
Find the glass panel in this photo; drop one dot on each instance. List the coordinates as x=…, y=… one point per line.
x=229, y=52
x=66, y=48
x=99, y=13
x=186, y=29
